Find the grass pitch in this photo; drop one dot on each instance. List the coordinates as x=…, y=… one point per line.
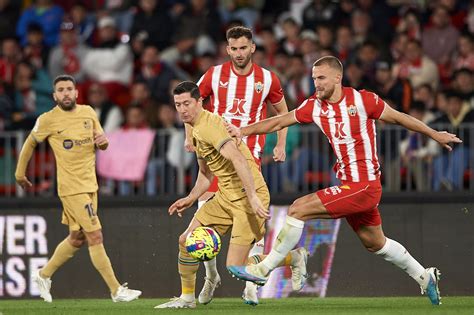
x=379, y=306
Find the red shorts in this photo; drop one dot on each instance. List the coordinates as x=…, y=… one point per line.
x=213, y=188
x=357, y=202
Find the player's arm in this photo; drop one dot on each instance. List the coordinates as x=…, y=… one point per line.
x=268, y=125
x=230, y=151
x=203, y=182
x=23, y=160
x=279, y=152
x=393, y=116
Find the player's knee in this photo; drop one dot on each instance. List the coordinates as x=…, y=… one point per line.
x=77, y=242
x=295, y=210
x=182, y=240
x=373, y=245
x=95, y=238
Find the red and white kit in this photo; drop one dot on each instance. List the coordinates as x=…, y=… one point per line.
x=349, y=125
x=241, y=99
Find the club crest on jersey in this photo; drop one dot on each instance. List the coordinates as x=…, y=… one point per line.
x=87, y=124
x=352, y=110
x=259, y=87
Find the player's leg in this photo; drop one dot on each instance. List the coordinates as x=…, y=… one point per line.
x=63, y=252
x=187, y=268
x=374, y=241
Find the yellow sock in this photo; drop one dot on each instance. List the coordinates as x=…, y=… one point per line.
x=101, y=262
x=187, y=267
x=63, y=252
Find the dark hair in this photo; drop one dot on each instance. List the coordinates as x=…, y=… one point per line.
x=64, y=77
x=238, y=32
x=187, y=87
x=331, y=61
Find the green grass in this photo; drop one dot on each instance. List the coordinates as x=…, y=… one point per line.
x=316, y=306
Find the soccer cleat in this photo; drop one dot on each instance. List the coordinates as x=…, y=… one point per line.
x=299, y=274
x=124, y=294
x=250, y=294
x=44, y=286
x=248, y=273
x=432, y=289
x=177, y=302
x=207, y=292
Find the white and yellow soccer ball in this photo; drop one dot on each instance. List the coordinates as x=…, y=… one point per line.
x=203, y=244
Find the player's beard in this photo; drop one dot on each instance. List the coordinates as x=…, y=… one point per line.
x=242, y=63
x=67, y=104
x=327, y=93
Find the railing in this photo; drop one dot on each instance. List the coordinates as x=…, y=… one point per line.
x=308, y=169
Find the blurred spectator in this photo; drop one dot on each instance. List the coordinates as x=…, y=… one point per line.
x=6, y=108
x=399, y=46
x=9, y=13
x=425, y=94
x=300, y=83
x=122, y=12
x=154, y=21
x=417, y=67
x=343, y=13
x=463, y=84
x=291, y=41
x=439, y=40
x=389, y=87
x=309, y=48
x=449, y=167
x=44, y=13
x=66, y=58
x=380, y=13
x=318, y=12
x=110, y=116
x=156, y=74
x=464, y=57
x=280, y=66
x=247, y=11
x=344, y=43
x=355, y=77
x=10, y=56
x=111, y=62
x=416, y=151
x=410, y=24
x=208, y=60
x=325, y=37
x=33, y=91
x=266, y=38
x=84, y=23
x=35, y=50
x=368, y=54
x=141, y=96
x=361, y=25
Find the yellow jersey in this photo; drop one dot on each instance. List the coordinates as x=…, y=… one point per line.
x=209, y=135
x=70, y=135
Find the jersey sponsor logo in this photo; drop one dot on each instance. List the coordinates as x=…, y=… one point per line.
x=334, y=190
x=83, y=141
x=339, y=131
x=68, y=144
x=237, y=107
x=87, y=124
x=223, y=84
x=352, y=110
x=259, y=87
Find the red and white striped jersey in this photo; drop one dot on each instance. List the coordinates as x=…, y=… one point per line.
x=349, y=126
x=241, y=99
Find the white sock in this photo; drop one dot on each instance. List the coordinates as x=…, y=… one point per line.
x=395, y=253
x=211, y=268
x=286, y=240
x=257, y=248
x=189, y=297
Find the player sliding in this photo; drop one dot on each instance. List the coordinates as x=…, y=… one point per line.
x=347, y=118
x=240, y=204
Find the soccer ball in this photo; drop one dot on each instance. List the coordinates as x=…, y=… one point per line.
x=203, y=243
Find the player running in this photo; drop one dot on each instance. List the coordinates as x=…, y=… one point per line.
x=347, y=118
x=74, y=133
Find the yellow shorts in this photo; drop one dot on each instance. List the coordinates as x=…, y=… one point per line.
x=223, y=214
x=80, y=212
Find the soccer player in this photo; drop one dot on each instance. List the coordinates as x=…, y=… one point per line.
x=240, y=92
x=347, y=118
x=240, y=204
x=74, y=133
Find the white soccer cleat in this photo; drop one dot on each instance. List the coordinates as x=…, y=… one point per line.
x=299, y=274
x=44, y=286
x=177, y=302
x=124, y=294
x=207, y=292
x=250, y=294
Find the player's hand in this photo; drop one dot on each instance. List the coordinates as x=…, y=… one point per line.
x=444, y=138
x=188, y=146
x=258, y=208
x=24, y=182
x=279, y=153
x=100, y=139
x=180, y=205
x=233, y=130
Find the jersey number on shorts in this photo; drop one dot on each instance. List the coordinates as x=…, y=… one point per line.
x=90, y=210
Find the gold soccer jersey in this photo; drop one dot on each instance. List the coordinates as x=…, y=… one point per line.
x=70, y=135
x=209, y=135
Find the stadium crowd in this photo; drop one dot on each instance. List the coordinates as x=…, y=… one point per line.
x=128, y=55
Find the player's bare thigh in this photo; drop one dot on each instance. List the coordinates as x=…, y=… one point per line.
x=308, y=207
x=372, y=237
x=237, y=255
